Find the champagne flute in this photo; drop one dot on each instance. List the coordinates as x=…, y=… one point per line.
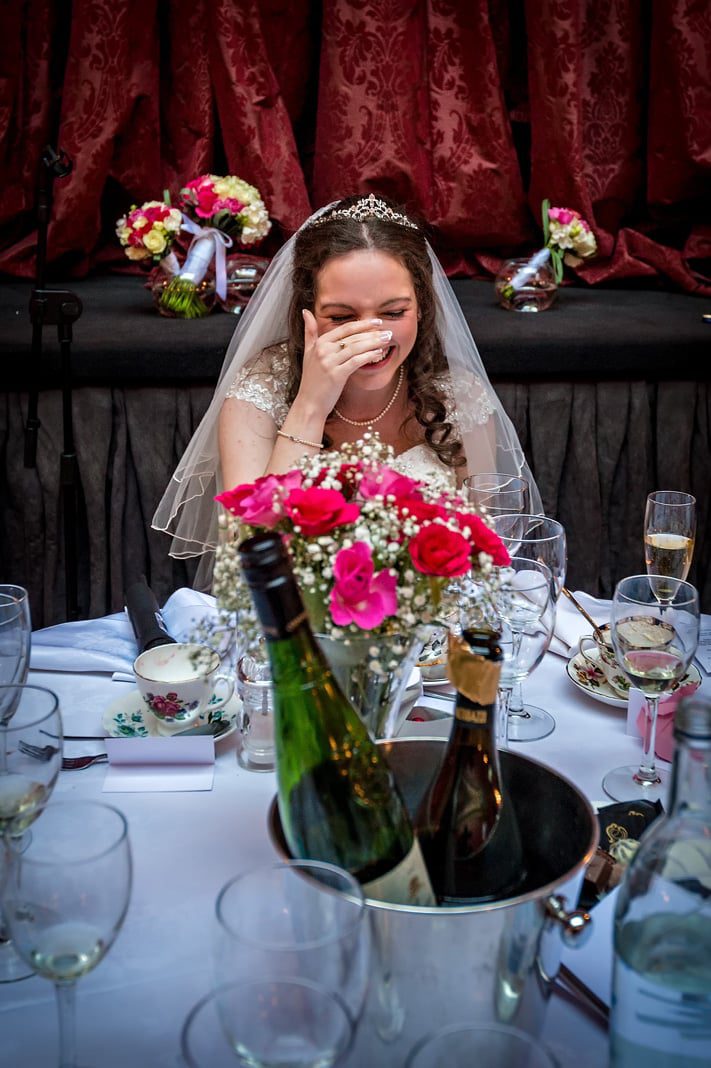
x=534, y=537
x=66, y=896
x=15, y=641
x=669, y=533
x=655, y=637
x=26, y=782
x=526, y=613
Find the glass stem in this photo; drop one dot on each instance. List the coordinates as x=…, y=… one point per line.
x=66, y=1005
x=516, y=702
x=647, y=772
x=502, y=728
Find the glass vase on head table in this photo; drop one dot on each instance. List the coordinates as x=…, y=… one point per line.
x=338, y=801
x=654, y=638
x=65, y=898
x=533, y=537
x=669, y=534
x=466, y=822
x=28, y=772
x=661, y=992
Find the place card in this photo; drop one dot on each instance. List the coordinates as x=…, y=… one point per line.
x=149, y=765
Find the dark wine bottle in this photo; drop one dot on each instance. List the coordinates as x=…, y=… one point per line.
x=466, y=823
x=338, y=801
x=145, y=616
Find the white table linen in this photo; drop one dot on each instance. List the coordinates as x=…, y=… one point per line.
x=187, y=845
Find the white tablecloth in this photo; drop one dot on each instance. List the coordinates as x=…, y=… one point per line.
x=187, y=845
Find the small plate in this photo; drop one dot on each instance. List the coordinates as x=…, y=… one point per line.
x=591, y=680
x=128, y=717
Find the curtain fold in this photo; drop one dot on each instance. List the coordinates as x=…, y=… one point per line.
x=470, y=114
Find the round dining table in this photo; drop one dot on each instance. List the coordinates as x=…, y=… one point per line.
x=187, y=844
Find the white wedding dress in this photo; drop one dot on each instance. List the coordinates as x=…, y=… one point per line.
x=263, y=383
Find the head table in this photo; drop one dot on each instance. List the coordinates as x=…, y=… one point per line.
x=186, y=846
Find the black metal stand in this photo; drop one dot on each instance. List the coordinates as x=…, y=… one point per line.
x=60, y=308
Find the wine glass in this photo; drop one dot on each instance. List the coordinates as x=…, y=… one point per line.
x=26, y=781
x=655, y=638
x=498, y=493
x=297, y=919
x=669, y=533
x=66, y=896
x=488, y=1045
x=15, y=640
x=535, y=537
x=526, y=616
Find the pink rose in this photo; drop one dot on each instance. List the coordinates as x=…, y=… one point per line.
x=316, y=511
x=359, y=596
x=387, y=482
x=421, y=510
x=259, y=503
x=484, y=538
x=563, y=215
x=437, y=550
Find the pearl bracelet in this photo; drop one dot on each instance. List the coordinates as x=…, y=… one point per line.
x=299, y=441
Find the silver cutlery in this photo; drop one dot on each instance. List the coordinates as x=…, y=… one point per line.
x=583, y=611
x=77, y=763
x=39, y=752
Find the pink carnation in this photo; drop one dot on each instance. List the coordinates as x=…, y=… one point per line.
x=387, y=482
x=563, y=215
x=359, y=595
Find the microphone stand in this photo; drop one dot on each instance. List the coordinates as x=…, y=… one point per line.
x=60, y=308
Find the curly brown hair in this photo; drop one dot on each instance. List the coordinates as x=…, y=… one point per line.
x=333, y=235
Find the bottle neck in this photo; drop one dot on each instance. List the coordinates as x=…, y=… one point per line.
x=472, y=718
x=690, y=792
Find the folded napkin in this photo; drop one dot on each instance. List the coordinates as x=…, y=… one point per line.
x=570, y=625
x=664, y=743
x=105, y=644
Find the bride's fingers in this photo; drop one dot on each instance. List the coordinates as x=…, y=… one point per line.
x=360, y=343
x=310, y=328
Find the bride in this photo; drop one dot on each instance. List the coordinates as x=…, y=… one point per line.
x=353, y=327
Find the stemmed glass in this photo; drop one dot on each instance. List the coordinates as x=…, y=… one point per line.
x=292, y=943
x=15, y=640
x=26, y=781
x=655, y=637
x=526, y=615
x=66, y=896
x=669, y=533
x=534, y=537
x=498, y=493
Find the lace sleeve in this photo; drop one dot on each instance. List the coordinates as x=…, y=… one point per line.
x=263, y=383
x=472, y=405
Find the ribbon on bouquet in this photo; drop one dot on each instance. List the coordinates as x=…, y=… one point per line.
x=207, y=243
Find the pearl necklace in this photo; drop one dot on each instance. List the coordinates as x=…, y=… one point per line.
x=376, y=418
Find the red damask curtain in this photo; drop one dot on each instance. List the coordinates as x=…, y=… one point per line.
x=468, y=112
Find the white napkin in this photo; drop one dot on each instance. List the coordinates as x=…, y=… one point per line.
x=105, y=644
x=570, y=625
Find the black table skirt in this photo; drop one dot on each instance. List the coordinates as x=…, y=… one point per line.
x=607, y=393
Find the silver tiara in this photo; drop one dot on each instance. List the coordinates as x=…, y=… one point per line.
x=367, y=208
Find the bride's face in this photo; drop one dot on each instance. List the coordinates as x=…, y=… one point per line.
x=369, y=284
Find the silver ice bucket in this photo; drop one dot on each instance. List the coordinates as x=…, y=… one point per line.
x=434, y=966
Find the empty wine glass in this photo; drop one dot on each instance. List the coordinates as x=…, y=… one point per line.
x=486, y=1045
x=267, y=1024
x=669, y=533
x=66, y=896
x=535, y=537
x=655, y=639
x=300, y=920
x=26, y=781
x=526, y=617
x=498, y=493
x=15, y=640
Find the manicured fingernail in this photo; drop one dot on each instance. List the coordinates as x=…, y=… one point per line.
x=386, y=335
x=376, y=322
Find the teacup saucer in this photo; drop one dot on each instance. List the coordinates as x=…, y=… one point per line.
x=591, y=680
x=128, y=717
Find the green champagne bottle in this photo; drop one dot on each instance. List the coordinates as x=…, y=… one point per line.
x=338, y=801
x=466, y=823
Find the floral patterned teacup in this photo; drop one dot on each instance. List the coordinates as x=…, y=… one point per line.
x=178, y=681
x=605, y=661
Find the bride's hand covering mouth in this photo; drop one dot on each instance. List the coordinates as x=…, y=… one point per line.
x=332, y=357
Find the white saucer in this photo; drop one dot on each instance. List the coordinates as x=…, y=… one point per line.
x=591, y=680
x=128, y=717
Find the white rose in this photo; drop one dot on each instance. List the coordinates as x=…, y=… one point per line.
x=560, y=235
x=155, y=242
x=585, y=244
x=134, y=253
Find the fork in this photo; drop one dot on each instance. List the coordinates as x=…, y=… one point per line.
x=39, y=752
x=77, y=763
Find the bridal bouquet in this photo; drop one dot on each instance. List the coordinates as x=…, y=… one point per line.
x=567, y=236
x=372, y=550
x=148, y=232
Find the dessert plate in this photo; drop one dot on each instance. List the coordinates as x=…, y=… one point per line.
x=591, y=680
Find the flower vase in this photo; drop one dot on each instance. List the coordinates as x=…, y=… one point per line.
x=527, y=284
x=374, y=671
